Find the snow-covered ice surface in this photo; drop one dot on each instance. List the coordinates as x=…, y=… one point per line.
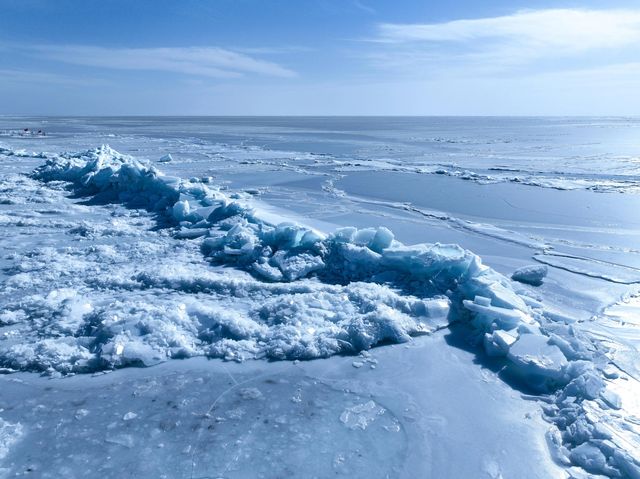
x=247, y=240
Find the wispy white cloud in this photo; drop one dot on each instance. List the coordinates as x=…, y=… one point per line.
x=278, y=50
x=516, y=39
x=565, y=29
x=364, y=7
x=194, y=61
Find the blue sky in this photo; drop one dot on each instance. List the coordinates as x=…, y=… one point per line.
x=319, y=57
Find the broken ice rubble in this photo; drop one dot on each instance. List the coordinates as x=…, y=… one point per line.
x=375, y=288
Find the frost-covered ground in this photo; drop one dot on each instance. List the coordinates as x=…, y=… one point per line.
x=467, y=291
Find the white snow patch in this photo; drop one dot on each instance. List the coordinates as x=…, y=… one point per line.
x=10, y=433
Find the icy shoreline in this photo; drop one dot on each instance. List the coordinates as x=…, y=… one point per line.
x=324, y=295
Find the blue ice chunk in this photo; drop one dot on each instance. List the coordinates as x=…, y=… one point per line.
x=203, y=212
x=482, y=301
x=297, y=266
x=590, y=458
x=364, y=237
x=344, y=235
x=588, y=385
x=382, y=324
x=225, y=211
x=191, y=233
x=611, y=398
x=310, y=238
x=533, y=274
x=180, y=210
x=287, y=235
x=534, y=356
x=381, y=240
x=503, y=318
x=268, y=272
x=498, y=342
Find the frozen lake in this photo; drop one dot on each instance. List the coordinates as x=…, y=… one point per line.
x=319, y=241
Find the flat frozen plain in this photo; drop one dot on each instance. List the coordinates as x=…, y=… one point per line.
x=69, y=250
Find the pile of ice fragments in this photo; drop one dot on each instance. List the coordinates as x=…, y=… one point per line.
x=546, y=352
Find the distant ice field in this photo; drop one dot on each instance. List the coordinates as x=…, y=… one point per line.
x=240, y=239
x=565, y=153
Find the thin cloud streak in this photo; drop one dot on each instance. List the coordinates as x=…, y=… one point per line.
x=511, y=42
x=568, y=30
x=210, y=62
